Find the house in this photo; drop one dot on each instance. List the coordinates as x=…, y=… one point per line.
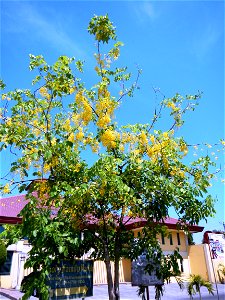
x=13, y=272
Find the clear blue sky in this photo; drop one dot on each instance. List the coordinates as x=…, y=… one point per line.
x=178, y=44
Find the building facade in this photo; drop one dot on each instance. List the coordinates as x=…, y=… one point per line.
x=12, y=273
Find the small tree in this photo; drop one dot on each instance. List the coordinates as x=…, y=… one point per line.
x=139, y=170
x=3, y=252
x=195, y=283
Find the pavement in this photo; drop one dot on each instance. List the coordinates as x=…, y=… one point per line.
x=128, y=292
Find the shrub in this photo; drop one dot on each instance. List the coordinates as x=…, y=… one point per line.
x=3, y=252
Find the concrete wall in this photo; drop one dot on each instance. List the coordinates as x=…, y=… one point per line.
x=198, y=261
x=202, y=264
x=99, y=274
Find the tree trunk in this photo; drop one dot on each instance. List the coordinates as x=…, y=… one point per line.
x=116, y=278
x=109, y=276
x=116, y=267
x=109, y=280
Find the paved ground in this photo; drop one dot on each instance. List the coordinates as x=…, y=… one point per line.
x=172, y=292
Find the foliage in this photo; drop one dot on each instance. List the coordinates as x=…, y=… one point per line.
x=195, y=283
x=34, y=284
x=190, y=239
x=221, y=272
x=3, y=252
x=139, y=170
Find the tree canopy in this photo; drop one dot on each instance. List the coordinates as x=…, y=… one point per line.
x=139, y=170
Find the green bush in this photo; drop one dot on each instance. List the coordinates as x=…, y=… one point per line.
x=3, y=252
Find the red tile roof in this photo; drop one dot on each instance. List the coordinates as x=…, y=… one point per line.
x=171, y=223
x=10, y=207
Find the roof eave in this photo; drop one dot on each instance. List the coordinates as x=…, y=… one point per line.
x=10, y=220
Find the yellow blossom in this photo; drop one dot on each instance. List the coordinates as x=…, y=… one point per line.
x=95, y=148
x=80, y=135
x=102, y=191
x=86, y=116
x=103, y=121
x=152, y=139
x=71, y=137
x=36, y=131
x=79, y=98
x=35, y=123
x=108, y=138
x=46, y=168
x=150, y=151
x=143, y=138
x=181, y=174
x=53, y=141
x=9, y=121
x=121, y=147
x=165, y=134
x=136, y=152
x=67, y=126
x=72, y=90
x=6, y=189
x=76, y=118
x=43, y=92
x=171, y=105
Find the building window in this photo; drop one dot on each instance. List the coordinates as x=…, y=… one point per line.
x=1, y=228
x=181, y=266
x=178, y=238
x=6, y=267
x=171, y=238
x=162, y=238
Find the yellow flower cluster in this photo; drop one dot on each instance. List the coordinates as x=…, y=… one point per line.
x=128, y=137
x=184, y=148
x=154, y=150
x=108, y=138
x=84, y=105
x=121, y=147
x=86, y=115
x=46, y=168
x=28, y=161
x=53, y=141
x=143, y=138
x=198, y=175
x=36, y=131
x=105, y=107
x=43, y=190
x=103, y=120
x=71, y=137
x=177, y=172
x=93, y=143
x=44, y=92
x=6, y=189
x=9, y=122
x=95, y=146
x=4, y=96
x=31, y=151
x=66, y=125
x=80, y=134
x=72, y=90
x=165, y=162
x=152, y=139
x=171, y=105
x=165, y=135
